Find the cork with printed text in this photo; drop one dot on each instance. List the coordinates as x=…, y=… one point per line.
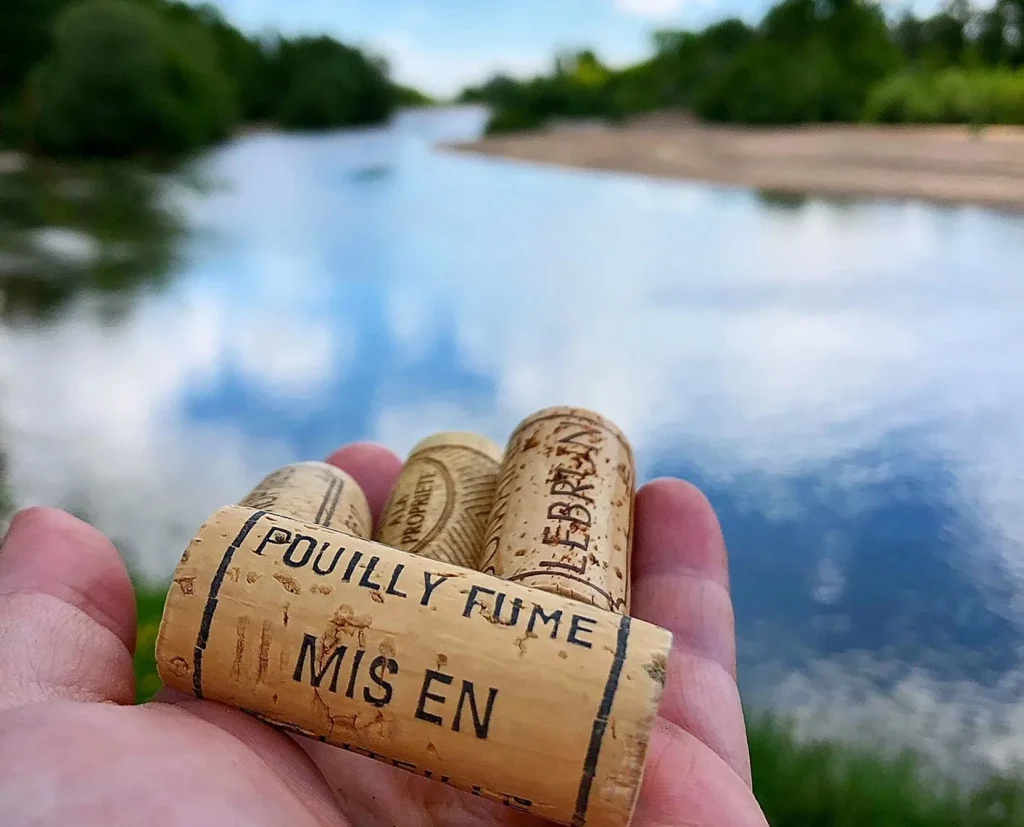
x=513, y=694
x=562, y=518
x=315, y=492
x=441, y=501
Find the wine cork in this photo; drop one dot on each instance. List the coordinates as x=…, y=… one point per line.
x=562, y=518
x=518, y=695
x=314, y=492
x=440, y=504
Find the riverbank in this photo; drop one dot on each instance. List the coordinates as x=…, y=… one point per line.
x=946, y=164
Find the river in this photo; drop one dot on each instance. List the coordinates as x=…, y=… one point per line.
x=843, y=379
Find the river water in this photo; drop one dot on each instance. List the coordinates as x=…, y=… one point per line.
x=843, y=379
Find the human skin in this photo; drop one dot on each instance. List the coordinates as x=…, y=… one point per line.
x=75, y=749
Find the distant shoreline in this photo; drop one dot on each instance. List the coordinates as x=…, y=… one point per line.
x=944, y=164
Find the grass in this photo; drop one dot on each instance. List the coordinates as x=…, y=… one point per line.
x=798, y=783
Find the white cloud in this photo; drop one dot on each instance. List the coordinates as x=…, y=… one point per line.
x=445, y=72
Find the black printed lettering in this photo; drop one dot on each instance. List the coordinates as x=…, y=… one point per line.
x=365, y=581
x=316, y=678
x=539, y=613
x=471, y=601
x=378, y=667
x=480, y=726
x=577, y=628
x=394, y=581
x=429, y=586
x=310, y=547
x=318, y=568
x=350, y=692
x=276, y=535
x=425, y=694
x=350, y=570
x=517, y=607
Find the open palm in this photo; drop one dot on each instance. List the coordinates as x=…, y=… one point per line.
x=75, y=749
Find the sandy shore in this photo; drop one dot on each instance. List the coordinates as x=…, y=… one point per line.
x=944, y=164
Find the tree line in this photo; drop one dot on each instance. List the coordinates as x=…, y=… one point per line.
x=161, y=77
x=806, y=61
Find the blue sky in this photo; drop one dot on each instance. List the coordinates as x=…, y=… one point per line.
x=441, y=45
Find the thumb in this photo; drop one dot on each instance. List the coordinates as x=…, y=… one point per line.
x=67, y=613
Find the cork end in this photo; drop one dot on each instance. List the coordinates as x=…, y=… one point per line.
x=463, y=439
x=574, y=412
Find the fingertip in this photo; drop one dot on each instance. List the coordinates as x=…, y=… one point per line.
x=49, y=551
x=373, y=466
x=674, y=491
x=677, y=529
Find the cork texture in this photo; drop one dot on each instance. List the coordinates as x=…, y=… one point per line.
x=562, y=519
x=443, y=496
x=517, y=695
x=314, y=492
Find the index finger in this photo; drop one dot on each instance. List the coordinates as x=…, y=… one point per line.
x=681, y=583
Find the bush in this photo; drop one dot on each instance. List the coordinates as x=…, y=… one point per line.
x=121, y=80
x=903, y=98
x=950, y=96
x=513, y=120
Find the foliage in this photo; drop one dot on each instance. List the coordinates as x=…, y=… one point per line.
x=513, y=120
x=100, y=229
x=407, y=96
x=806, y=61
x=25, y=38
x=324, y=83
x=949, y=96
x=122, y=78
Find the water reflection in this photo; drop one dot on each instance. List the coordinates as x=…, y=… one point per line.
x=65, y=231
x=842, y=381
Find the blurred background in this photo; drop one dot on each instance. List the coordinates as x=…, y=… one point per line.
x=781, y=247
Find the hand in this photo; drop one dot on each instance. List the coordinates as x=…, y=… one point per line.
x=74, y=749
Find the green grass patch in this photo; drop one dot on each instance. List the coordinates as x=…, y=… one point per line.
x=799, y=783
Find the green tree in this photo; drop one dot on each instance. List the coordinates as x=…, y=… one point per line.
x=994, y=48
x=25, y=39
x=810, y=60
x=323, y=83
x=247, y=62
x=124, y=79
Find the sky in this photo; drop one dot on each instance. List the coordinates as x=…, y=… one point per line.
x=441, y=46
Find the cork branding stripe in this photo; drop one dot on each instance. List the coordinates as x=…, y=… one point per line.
x=600, y=725
x=211, y=602
x=524, y=575
x=330, y=502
